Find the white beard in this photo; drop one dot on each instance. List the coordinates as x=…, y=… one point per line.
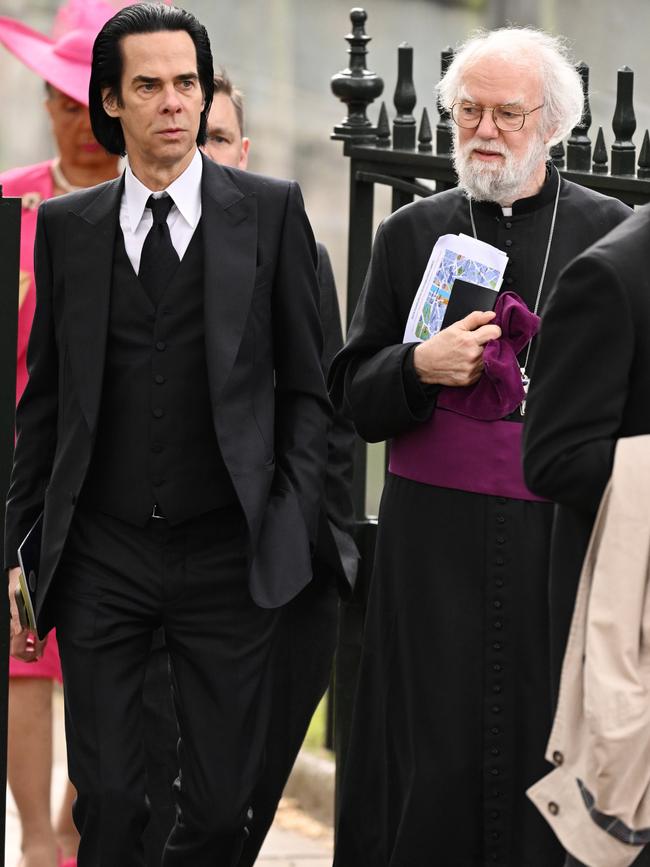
x=501, y=181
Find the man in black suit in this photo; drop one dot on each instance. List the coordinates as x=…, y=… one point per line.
x=174, y=433
x=589, y=388
x=306, y=633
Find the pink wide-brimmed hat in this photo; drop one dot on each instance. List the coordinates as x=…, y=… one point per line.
x=63, y=60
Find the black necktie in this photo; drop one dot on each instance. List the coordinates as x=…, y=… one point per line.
x=159, y=259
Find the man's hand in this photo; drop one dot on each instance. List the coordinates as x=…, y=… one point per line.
x=454, y=356
x=24, y=644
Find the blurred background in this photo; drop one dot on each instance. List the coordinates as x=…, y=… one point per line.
x=282, y=53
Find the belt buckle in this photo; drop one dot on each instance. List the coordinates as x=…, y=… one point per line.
x=156, y=514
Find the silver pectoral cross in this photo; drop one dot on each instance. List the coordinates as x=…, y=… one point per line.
x=525, y=381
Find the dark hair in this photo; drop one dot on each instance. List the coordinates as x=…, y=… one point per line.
x=223, y=84
x=107, y=64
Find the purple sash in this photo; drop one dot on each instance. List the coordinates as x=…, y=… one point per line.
x=455, y=451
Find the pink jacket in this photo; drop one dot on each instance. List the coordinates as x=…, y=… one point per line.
x=32, y=184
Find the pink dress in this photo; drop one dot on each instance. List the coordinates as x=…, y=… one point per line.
x=32, y=184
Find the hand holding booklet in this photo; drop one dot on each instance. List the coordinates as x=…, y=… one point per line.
x=462, y=275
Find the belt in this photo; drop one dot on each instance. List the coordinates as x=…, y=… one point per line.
x=157, y=514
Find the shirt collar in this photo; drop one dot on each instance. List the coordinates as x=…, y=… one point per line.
x=185, y=191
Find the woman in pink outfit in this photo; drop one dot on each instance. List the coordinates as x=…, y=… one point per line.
x=64, y=63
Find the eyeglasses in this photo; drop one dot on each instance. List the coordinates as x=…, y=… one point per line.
x=468, y=115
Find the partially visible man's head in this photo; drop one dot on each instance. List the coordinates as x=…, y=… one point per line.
x=226, y=142
x=526, y=74
x=151, y=80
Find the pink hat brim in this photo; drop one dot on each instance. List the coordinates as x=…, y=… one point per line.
x=65, y=64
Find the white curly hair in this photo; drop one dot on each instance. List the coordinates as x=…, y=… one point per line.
x=524, y=47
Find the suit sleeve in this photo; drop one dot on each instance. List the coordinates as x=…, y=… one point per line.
x=302, y=409
x=36, y=415
x=372, y=378
x=578, y=386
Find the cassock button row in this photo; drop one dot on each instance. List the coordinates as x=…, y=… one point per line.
x=509, y=243
x=497, y=667
x=161, y=346
x=495, y=752
x=497, y=645
x=159, y=379
x=496, y=688
x=498, y=624
x=496, y=708
x=508, y=225
x=499, y=561
x=495, y=730
x=494, y=772
x=158, y=412
x=501, y=540
x=500, y=519
x=499, y=582
x=497, y=603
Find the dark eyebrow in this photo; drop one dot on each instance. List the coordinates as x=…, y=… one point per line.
x=146, y=79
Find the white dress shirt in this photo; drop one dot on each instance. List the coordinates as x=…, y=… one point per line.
x=136, y=219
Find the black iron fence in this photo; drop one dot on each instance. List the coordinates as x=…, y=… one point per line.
x=401, y=156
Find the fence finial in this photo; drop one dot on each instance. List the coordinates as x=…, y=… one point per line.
x=624, y=124
x=356, y=86
x=579, y=144
x=404, y=126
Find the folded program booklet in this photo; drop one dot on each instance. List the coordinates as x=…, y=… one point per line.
x=29, y=556
x=458, y=264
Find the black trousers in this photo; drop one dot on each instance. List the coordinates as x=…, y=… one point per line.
x=116, y=585
x=305, y=638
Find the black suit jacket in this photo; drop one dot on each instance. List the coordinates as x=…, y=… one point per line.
x=263, y=345
x=593, y=387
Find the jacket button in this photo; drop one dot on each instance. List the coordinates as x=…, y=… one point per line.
x=553, y=808
x=508, y=225
x=558, y=757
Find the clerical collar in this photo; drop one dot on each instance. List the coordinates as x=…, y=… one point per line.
x=531, y=203
x=185, y=191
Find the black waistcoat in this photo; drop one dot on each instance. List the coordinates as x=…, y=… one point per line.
x=156, y=442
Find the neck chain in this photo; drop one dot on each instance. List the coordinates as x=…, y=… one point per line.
x=525, y=380
x=60, y=179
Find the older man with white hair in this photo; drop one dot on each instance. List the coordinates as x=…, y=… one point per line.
x=453, y=706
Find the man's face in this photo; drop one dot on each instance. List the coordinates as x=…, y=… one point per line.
x=225, y=143
x=161, y=102
x=491, y=163
x=72, y=132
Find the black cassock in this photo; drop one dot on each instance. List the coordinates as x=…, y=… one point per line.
x=453, y=706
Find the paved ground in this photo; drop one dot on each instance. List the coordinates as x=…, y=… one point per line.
x=296, y=840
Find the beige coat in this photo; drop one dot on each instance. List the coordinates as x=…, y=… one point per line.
x=597, y=800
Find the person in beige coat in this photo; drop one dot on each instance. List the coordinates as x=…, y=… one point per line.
x=588, y=397
x=597, y=800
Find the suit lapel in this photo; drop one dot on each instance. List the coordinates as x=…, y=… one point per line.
x=229, y=220
x=90, y=241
